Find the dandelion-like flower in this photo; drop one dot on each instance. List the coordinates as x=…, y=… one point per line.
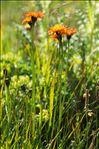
x=38, y=14
x=70, y=31
x=30, y=18
x=57, y=31
x=57, y=28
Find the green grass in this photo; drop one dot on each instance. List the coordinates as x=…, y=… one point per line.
x=49, y=92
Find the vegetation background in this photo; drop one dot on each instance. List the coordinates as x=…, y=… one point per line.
x=66, y=105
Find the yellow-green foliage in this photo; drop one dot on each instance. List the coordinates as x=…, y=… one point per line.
x=51, y=99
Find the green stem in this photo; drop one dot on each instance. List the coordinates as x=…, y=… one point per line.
x=26, y=113
x=33, y=82
x=33, y=49
x=67, y=57
x=60, y=68
x=8, y=104
x=61, y=48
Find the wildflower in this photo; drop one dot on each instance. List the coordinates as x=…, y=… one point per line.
x=70, y=32
x=57, y=31
x=34, y=14
x=30, y=18
x=57, y=28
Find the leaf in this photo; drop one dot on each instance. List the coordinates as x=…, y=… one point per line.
x=51, y=100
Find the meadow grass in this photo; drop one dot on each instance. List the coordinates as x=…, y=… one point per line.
x=49, y=89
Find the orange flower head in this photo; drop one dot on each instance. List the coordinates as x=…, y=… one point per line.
x=57, y=31
x=70, y=32
x=38, y=14
x=30, y=18
x=57, y=28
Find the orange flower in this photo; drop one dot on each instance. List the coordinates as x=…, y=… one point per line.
x=35, y=14
x=70, y=32
x=57, y=31
x=58, y=28
x=30, y=18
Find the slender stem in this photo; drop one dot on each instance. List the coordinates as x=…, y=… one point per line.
x=60, y=68
x=61, y=48
x=86, y=108
x=33, y=49
x=8, y=107
x=68, y=57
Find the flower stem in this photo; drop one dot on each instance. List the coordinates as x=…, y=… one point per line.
x=68, y=57
x=60, y=68
x=33, y=49
x=8, y=104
